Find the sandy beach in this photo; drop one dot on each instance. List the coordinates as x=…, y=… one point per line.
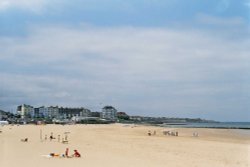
x=119, y=145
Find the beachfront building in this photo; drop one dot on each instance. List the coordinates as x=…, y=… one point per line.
x=122, y=115
x=2, y=114
x=53, y=112
x=109, y=113
x=37, y=113
x=85, y=113
x=40, y=112
x=25, y=111
x=46, y=112
x=67, y=113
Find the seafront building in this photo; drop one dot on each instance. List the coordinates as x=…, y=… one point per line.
x=25, y=111
x=2, y=115
x=67, y=113
x=52, y=112
x=46, y=112
x=109, y=113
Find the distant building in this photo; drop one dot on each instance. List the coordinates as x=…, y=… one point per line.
x=25, y=111
x=2, y=115
x=135, y=118
x=40, y=112
x=122, y=115
x=96, y=114
x=85, y=113
x=73, y=112
x=109, y=113
x=53, y=112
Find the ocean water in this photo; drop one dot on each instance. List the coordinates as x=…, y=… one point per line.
x=220, y=125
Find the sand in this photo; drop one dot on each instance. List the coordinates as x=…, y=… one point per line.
x=119, y=145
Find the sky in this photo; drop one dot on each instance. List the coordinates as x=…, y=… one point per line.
x=162, y=58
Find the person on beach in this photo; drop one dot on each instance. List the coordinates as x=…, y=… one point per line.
x=51, y=136
x=67, y=153
x=149, y=133
x=24, y=140
x=54, y=155
x=76, y=154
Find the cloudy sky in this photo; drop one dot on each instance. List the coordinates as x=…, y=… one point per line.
x=172, y=58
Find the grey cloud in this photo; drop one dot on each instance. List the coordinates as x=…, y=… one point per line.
x=160, y=72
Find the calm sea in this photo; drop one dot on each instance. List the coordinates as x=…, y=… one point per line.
x=222, y=125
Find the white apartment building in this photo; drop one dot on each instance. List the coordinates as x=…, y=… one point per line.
x=53, y=112
x=47, y=112
x=25, y=110
x=85, y=113
x=109, y=113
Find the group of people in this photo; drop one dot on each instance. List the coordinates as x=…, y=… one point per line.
x=59, y=139
x=66, y=155
x=149, y=133
x=195, y=134
x=76, y=153
x=170, y=133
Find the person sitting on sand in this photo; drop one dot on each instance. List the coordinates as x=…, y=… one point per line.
x=51, y=137
x=24, y=140
x=149, y=133
x=76, y=154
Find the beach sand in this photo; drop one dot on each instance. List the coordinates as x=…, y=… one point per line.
x=118, y=145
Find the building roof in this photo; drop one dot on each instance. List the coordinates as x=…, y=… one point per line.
x=108, y=107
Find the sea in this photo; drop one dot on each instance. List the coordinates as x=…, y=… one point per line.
x=217, y=125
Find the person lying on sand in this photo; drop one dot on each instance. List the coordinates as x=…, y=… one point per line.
x=54, y=155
